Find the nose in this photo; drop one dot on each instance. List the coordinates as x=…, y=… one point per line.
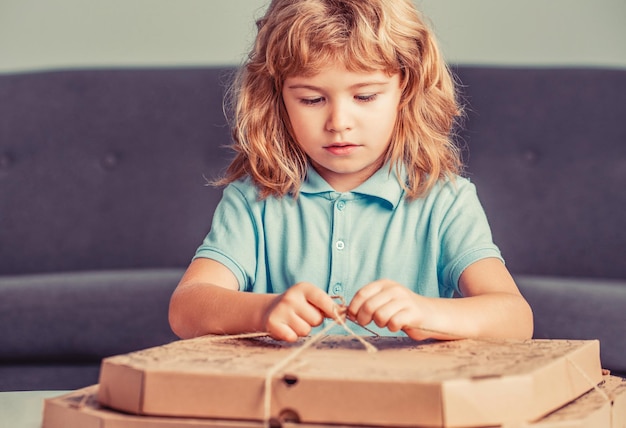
x=340, y=118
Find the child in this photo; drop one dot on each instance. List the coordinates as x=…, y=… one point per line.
x=345, y=183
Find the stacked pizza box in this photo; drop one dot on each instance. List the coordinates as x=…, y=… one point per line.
x=217, y=381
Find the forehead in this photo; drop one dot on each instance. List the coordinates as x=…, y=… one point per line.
x=339, y=76
x=325, y=61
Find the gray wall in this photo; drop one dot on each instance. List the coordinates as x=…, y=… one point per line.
x=45, y=34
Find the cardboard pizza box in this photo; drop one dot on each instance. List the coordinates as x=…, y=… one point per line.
x=80, y=409
x=604, y=407
x=464, y=383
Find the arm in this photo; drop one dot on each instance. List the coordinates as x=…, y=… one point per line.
x=491, y=307
x=207, y=301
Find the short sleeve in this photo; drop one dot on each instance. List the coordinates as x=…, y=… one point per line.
x=232, y=239
x=464, y=232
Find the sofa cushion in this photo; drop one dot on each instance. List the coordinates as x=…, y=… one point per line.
x=568, y=308
x=84, y=316
x=49, y=377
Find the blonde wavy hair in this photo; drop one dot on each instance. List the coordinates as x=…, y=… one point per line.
x=301, y=37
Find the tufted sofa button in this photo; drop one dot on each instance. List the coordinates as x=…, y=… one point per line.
x=531, y=156
x=110, y=161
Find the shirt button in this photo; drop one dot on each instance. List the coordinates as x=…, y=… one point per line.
x=341, y=205
x=337, y=288
x=340, y=245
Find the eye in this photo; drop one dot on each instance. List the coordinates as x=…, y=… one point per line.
x=366, y=98
x=311, y=101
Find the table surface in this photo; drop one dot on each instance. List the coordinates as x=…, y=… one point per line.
x=23, y=409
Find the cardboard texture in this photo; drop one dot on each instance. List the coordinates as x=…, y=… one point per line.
x=592, y=409
x=461, y=383
x=80, y=409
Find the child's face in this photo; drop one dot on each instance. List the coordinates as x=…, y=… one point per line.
x=343, y=121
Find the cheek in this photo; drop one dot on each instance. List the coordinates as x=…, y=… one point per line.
x=298, y=126
x=304, y=123
x=291, y=118
x=390, y=120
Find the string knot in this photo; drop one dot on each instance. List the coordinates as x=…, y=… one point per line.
x=339, y=317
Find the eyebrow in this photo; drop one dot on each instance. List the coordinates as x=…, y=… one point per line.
x=355, y=86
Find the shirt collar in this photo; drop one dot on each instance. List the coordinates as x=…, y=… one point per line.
x=383, y=184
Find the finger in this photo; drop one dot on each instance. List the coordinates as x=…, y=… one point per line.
x=297, y=299
x=370, y=307
x=300, y=326
x=282, y=331
x=310, y=314
x=400, y=320
x=290, y=328
x=321, y=301
x=309, y=302
x=389, y=315
x=364, y=294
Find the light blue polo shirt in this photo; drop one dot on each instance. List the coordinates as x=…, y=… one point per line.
x=341, y=241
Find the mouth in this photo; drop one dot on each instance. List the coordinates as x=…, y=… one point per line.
x=341, y=148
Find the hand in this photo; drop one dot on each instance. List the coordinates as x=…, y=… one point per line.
x=295, y=312
x=391, y=305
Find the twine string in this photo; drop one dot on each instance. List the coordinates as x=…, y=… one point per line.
x=603, y=394
x=339, y=314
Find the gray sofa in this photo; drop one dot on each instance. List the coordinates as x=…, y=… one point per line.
x=103, y=200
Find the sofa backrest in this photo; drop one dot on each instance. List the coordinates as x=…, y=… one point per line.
x=106, y=169
x=547, y=151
